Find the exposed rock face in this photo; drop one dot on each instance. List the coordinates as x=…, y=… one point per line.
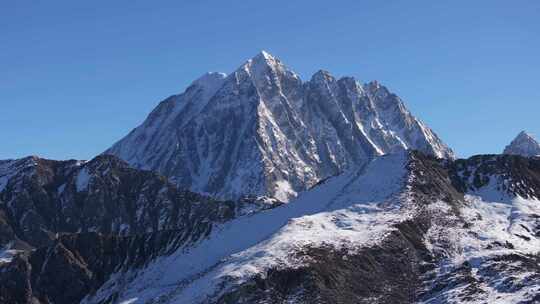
x=524, y=144
x=411, y=229
x=76, y=265
x=43, y=198
x=263, y=131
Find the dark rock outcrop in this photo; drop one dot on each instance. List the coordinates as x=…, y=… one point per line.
x=44, y=197
x=76, y=265
x=87, y=220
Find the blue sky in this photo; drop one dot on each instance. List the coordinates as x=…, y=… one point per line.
x=76, y=77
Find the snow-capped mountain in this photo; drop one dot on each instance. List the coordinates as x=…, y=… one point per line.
x=263, y=131
x=524, y=144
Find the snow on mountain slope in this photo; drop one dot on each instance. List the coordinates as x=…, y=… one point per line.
x=263, y=131
x=495, y=247
x=524, y=144
x=350, y=211
x=149, y=137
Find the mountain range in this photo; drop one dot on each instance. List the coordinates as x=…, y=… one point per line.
x=258, y=187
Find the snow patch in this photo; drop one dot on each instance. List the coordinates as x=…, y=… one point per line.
x=497, y=225
x=82, y=180
x=7, y=254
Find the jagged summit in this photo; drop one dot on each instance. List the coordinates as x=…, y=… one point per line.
x=265, y=72
x=263, y=56
x=524, y=144
x=261, y=130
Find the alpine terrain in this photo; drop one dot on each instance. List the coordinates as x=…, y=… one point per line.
x=263, y=131
x=258, y=187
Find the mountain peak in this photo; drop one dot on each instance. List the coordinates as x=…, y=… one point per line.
x=524, y=135
x=265, y=70
x=265, y=132
x=264, y=55
x=524, y=144
x=263, y=58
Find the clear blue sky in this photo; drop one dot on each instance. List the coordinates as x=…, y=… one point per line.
x=76, y=77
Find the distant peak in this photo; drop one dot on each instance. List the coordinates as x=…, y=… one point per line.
x=524, y=144
x=524, y=134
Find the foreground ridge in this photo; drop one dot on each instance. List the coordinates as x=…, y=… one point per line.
x=403, y=228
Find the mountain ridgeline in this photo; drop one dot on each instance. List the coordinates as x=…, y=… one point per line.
x=263, y=131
